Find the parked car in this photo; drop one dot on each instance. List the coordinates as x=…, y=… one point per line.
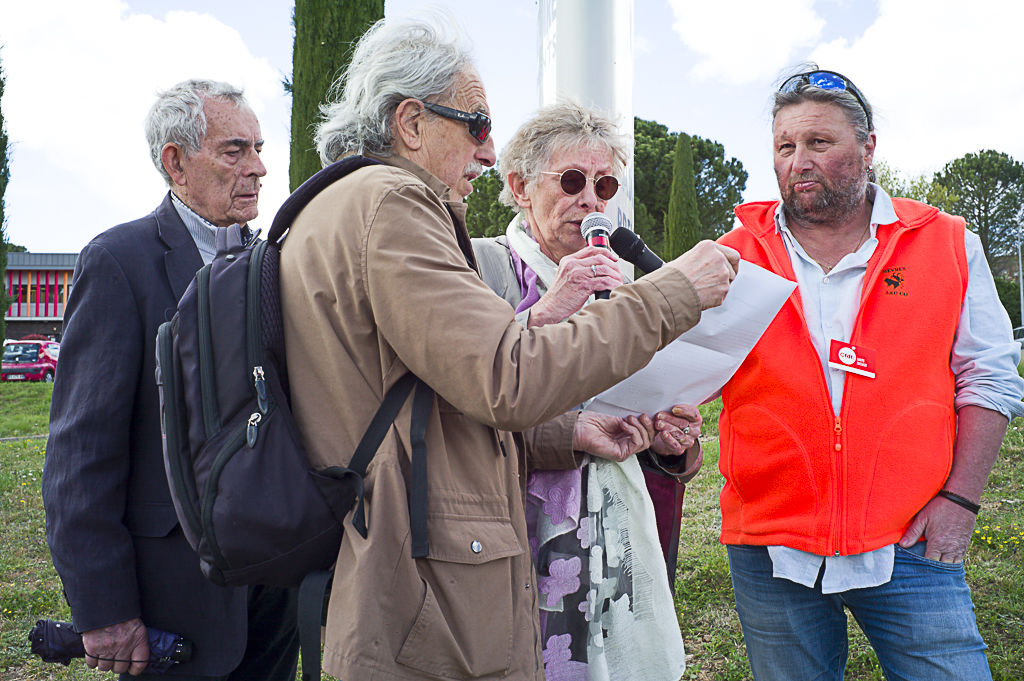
x=29, y=360
x=1018, y=335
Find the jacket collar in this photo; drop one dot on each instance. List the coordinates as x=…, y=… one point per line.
x=457, y=209
x=423, y=175
x=182, y=258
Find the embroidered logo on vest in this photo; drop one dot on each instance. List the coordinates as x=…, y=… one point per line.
x=893, y=278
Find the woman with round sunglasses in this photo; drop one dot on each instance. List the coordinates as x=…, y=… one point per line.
x=605, y=602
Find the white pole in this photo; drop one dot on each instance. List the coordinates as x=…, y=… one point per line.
x=586, y=52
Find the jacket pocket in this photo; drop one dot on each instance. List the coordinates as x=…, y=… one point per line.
x=465, y=623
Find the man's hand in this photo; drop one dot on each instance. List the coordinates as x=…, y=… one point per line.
x=118, y=648
x=579, y=275
x=947, y=527
x=610, y=437
x=710, y=267
x=676, y=431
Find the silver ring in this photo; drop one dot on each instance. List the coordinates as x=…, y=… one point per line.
x=686, y=430
x=593, y=268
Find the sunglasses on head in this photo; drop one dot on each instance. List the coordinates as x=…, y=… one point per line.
x=574, y=181
x=479, y=124
x=827, y=80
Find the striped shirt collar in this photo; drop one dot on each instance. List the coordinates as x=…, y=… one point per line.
x=203, y=232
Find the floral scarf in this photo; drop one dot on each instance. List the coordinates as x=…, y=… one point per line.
x=606, y=609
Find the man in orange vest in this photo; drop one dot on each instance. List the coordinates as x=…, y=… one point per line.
x=857, y=437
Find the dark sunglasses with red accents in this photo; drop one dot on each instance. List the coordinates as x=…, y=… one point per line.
x=479, y=124
x=573, y=181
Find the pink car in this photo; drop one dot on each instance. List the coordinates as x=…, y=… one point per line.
x=30, y=360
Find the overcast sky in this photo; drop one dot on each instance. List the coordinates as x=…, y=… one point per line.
x=944, y=77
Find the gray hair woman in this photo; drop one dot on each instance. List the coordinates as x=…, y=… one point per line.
x=604, y=598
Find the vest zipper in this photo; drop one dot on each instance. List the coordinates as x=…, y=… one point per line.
x=838, y=428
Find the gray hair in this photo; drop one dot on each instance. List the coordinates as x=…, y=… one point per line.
x=177, y=117
x=847, y=102
x=566, y=126
x=392, y=62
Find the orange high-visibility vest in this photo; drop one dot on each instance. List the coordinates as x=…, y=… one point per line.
x=796, y=474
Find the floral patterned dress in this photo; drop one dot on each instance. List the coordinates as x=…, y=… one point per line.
x=606, y=610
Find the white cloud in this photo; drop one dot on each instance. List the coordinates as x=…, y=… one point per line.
x=944, y=77
x=745, y=41
x=81, y=76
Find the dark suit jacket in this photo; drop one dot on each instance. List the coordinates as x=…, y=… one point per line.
x=110, y=523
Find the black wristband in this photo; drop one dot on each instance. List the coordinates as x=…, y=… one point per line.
x=960, y=501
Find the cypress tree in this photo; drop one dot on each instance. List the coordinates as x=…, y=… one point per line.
x=682, y=224
x=325, y=31
x=5, y=174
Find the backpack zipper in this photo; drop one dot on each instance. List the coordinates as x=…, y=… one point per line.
x=250, y=432
x=254, y=331
x=211, y=418
x=165, y=344
x=230, y=448
x=261, y=389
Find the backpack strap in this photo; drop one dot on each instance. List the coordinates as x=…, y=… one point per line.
x=230, y=240
x=313, y=592
x=422, y=403
x=375, y=433
x=298, y=200
x=396, y=396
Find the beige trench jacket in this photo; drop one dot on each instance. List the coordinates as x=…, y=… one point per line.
x=376, y=280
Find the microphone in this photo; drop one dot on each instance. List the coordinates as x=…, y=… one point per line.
x=596, y=229
x=632, y=248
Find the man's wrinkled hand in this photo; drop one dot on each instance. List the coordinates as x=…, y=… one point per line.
x=118, y=648
x=610, y=437
x=946, y=526
x=710, y=267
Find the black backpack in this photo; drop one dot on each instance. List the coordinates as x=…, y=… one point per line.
x=245, y=494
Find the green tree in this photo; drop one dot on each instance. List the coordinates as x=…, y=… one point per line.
x=989, y=191
x=918, y=187
x=719, y=182
x=485, y=215
x=653, y=159
x=720, y=185
x=5, y=174
x=682, y=221
x=325, y=31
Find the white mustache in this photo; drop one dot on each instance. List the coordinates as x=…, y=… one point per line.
x=473, y=168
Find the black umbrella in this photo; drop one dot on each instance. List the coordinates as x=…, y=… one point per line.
x=59, y=642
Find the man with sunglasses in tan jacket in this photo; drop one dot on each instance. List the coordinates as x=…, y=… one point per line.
x=378, y=279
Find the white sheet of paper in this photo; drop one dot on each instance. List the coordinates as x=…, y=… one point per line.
x=698, y=363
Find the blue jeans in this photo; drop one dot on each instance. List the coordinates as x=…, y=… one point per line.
x=921, y=623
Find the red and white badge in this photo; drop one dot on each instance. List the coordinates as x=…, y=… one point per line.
x=856, y=359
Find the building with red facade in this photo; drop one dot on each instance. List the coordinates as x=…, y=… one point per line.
x=39, y=285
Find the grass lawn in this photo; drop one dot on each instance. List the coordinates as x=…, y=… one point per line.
x=30, y=590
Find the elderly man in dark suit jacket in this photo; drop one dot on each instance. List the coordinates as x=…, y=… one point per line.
x=111, y=525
